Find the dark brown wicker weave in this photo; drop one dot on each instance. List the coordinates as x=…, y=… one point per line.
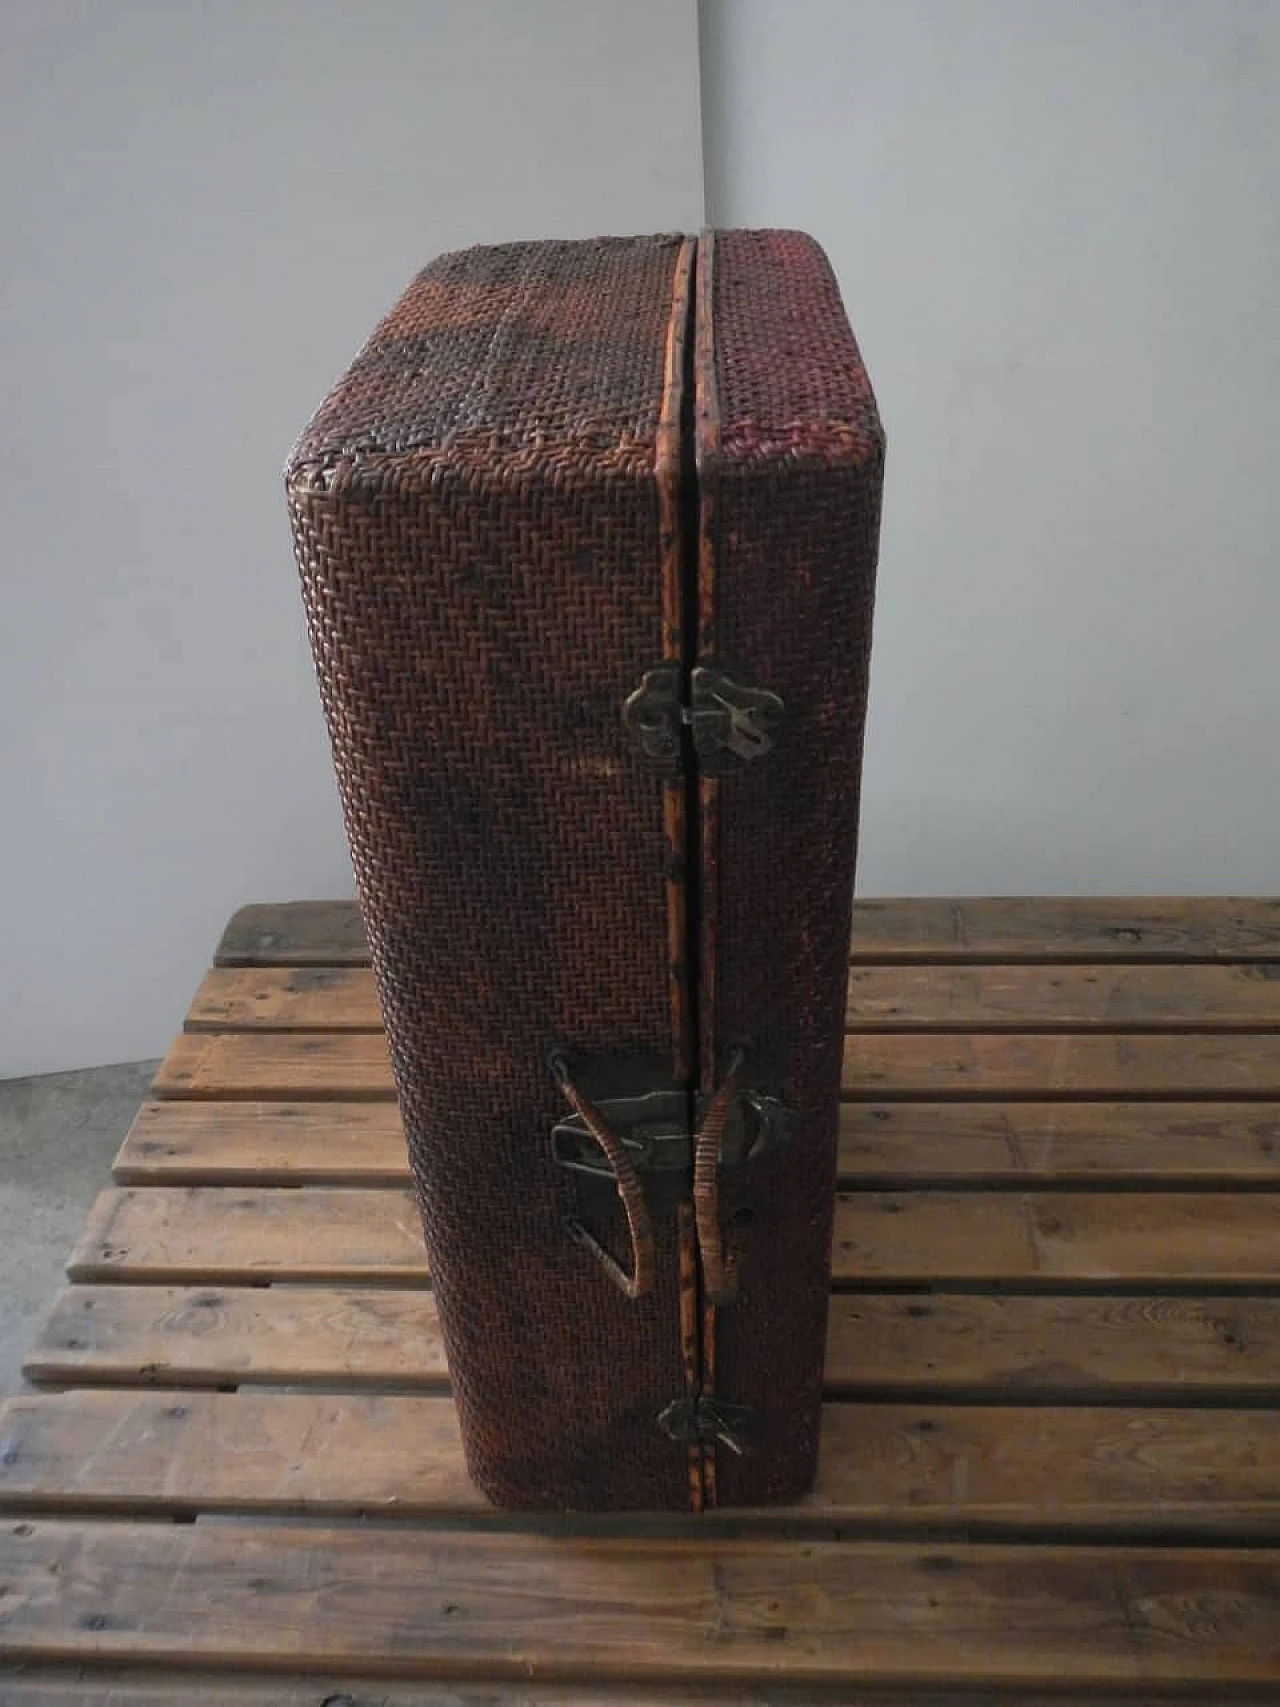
x=587, y=537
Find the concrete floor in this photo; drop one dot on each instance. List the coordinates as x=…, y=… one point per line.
x=58, y=1137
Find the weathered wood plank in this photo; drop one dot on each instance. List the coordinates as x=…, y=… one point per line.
x=271, y=1066
x=478, y=1604
x=1062, y=1238
x=1016, y=1143
x=1222, y=1350
x=1242, y=997
x=1063, y=1065
x=925, y=1238
x=1058, y=928
x=197, y=1233
x=294, y=933
x=285, y=998
x=283, y=1453
x=1028, y=1143
x=1212, y=1473
x=213, y=1337
x=268, y=1143
x=1046, y=929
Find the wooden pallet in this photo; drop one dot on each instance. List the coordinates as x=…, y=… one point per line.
x=1051, y=1454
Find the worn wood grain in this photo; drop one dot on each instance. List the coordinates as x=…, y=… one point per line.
x=1049, y=929
x=1239, y=997
x=924, y=1238
x=1055, y=928
x=1063, y=1065
x=476, y=1604
x=219, y=1336
x=267, y=1143
x=1020, y=1143
x=277, y=1066
x=1210, y=1472
x=294, y=933
x=286, y=1453
x=1242, y=997
x=270, y=1066
x=285, y=998
x=1063, y=1143
x=1144, y=1349
x=240, y=1235
x=1064, y=1238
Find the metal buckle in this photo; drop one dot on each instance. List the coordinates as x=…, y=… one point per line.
x=653, y=1128
x=709, y=1420
x=732, y=724
x=652, y=715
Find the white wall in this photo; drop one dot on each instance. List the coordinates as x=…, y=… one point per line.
x=204, y=209
x=1057, y=227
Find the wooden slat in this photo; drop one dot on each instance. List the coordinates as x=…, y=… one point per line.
x=212, y=1337
x=277, y=1066
x=1052, y=929
x=266, y=1066
x=1047, y=929
x=1020, y=1143
x=1068, y=998
x=270, y=1143
x=921, y=1238
x=1064, y=1065
x=284, y=1453
x=478, y=1604
x=294, y=933
x=1207, y=1472
x=1223, y=1350
x=285, y=998
x=1243, y=997
x=198, y=1233
x=1062, y=1238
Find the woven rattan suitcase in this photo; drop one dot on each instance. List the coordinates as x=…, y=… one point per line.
x=587, y=537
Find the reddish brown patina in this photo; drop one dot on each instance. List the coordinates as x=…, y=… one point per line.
x=561, y=480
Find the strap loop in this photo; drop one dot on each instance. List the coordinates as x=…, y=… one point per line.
x=639, y=1282
x=719, y=1267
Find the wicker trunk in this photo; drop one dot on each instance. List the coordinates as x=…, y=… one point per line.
x=587, y=537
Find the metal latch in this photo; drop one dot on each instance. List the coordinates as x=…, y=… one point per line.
x=732, y=724
x=654, y=1130
x=709, y=1420
x=729, y=724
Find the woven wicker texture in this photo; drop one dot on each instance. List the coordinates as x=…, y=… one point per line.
x=475, y=519
x=790, y=464
x=489, y=531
